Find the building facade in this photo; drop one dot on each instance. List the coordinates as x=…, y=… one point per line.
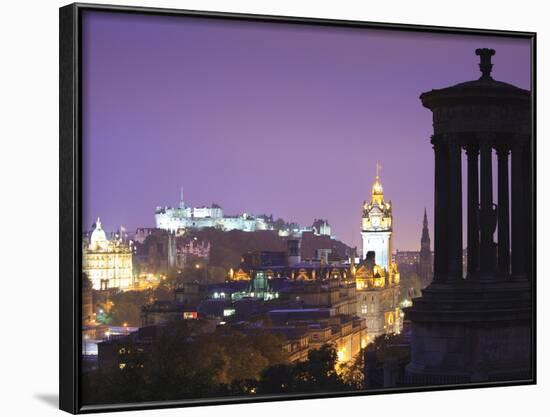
x=183, y=217
x=376, y=230
x=377, y=276
x=107, y=263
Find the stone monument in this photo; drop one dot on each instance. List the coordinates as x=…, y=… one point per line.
x=477, y=326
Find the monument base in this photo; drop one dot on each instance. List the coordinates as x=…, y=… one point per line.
x=469, y=331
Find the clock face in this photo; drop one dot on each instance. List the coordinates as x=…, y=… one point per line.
x=375, y=221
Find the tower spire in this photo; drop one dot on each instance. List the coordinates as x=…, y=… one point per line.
x=425, y=240
x=425, y=221
x=425, y=264
x=377, y=189
x=182, y=204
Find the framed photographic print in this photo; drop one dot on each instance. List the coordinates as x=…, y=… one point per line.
x=258, y=208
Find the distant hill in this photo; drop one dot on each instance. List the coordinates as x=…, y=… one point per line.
x=228, y=247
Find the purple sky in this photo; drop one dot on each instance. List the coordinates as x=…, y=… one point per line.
x=267, y=118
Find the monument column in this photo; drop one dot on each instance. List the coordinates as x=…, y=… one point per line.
x=528, y=195
x=455, y=210
x=487, y=212
x=472, y=152
x=503, y=212
x=440, y=209
x=518, y=214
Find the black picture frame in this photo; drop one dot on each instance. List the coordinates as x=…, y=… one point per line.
x=70, y=203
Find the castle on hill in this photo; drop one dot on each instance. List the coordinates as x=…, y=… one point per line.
x=184, y=217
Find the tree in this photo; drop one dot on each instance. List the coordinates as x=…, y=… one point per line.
x=277, y=379
x=317, y=374
x=391, y=346
x=125, y=307
x=411, y=285
x=353, y=372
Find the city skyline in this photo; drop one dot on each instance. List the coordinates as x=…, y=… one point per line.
x=292, y=125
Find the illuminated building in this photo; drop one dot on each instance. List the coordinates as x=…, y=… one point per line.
x=314, y=327
x=194, y=249
x=183, y=217
x=107, y=263
x=321, y=227
x=240, y=275
x=377, y=276
x=290, y=265
x=376, y=227
x=260, y=287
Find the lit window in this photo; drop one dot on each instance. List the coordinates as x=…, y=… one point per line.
x=121, y=365
x=228, y=312
x=364, y=309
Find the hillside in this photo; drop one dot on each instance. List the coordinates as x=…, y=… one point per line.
x=227, y=247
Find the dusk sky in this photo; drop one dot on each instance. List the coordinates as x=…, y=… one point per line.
x=280, y=119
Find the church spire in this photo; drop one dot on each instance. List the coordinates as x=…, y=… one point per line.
x=425, y=240
x=425, y=264
x=425, y=221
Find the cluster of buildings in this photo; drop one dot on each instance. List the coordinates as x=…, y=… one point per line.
x=115, y=263
x=472, y=325
x=344, y=302
x=419, y=262
x=181, y=218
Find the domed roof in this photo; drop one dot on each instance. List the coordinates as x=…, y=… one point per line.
x=483, y=88
x=377, y=196
x=377, y=188
x=98, y=239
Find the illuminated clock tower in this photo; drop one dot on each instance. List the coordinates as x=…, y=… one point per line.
x=376, y=229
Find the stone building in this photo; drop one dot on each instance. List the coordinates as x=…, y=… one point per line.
x=478, y=327
x=107, y=263
x=377, y=276
x=317, y=327
x=179, y=219
x=376, y=230
x=157, y=253
x=185, y=217
x=378, y=297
